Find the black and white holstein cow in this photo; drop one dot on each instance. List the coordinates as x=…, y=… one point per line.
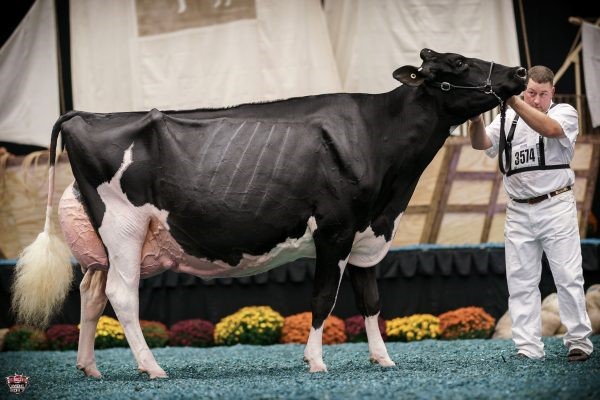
x=237, y=191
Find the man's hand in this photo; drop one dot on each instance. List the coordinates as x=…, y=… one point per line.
x=511, y=101
x=477, y=135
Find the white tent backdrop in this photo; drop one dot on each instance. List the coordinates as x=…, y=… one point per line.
x=29, y=99
x=135, y=55
x=590, y=41
x=372, y=39
x=175, y=54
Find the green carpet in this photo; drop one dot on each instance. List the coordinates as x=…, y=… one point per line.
x=432, y=369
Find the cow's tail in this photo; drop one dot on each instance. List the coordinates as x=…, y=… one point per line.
x=43, y=273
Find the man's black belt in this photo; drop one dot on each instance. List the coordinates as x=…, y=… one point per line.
x=543, y=197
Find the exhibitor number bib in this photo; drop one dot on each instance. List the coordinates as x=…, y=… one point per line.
x=525, y=155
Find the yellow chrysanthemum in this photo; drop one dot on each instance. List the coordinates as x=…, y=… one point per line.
x=414, y=327
x=250, y=325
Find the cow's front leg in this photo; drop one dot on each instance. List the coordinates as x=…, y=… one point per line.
x=93, y=300
x=366, y=294
x=330, y=264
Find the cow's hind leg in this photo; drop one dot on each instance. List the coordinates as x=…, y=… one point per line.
x=124, y=251
x=366, y=294
x=332, y=256
x=93, y=301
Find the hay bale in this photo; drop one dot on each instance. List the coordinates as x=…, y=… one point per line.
x=551, y=324
x=23, y=195
x=503, y=327
x=592, y=301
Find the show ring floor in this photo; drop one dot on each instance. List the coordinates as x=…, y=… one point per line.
x=431, y=369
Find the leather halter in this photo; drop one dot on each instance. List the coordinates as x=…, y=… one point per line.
x=486, y=87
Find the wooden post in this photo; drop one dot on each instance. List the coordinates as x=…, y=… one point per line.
x=574, y=58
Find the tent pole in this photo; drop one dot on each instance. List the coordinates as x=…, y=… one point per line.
x=61, y=86
x=524, y=30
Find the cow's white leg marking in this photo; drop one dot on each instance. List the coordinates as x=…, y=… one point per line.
x=123, y=231
x=93, y=301
x=377, y=350
x=313, y=353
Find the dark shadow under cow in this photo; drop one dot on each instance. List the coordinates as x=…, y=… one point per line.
x=240, y=190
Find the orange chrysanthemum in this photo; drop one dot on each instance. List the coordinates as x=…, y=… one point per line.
x=466, y=323
x=296, y=328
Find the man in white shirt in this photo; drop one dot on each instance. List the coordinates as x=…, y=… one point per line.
x=541, y=215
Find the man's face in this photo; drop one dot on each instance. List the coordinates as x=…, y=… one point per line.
x=539, y=95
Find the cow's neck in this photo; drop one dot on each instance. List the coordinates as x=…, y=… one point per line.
x=407, y=128
x=414, y=127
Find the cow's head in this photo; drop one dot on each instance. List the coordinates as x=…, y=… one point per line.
x=467, y=86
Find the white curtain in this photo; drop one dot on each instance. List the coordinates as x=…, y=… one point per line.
x=590, y=43
x=29, y=99
x=136, y=55
x=177, y=54
x=373, y=38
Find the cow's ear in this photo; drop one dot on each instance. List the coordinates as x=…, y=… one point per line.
x=410, y=75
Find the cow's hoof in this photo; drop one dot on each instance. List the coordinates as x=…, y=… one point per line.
x=383, y=361
x=316, y=366
x=90, y=371
x=158, y=374
x=154, y=373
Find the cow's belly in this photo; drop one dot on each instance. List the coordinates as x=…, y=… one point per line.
x=160, y=251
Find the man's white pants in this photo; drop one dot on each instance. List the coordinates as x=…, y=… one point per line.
x=550, y=226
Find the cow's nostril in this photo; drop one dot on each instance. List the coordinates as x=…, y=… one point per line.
x=521, y=73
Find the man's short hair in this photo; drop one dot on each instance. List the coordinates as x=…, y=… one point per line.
x=541, y=74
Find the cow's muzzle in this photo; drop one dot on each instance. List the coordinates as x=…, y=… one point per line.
x=521, y=73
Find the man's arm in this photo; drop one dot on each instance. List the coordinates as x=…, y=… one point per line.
x=537, y=120
x=477, y=135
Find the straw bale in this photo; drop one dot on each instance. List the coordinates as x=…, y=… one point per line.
x=23, y=195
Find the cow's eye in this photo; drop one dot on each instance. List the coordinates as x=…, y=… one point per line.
x=459, y=64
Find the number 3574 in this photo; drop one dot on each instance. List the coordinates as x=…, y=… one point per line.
x=524, y=156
